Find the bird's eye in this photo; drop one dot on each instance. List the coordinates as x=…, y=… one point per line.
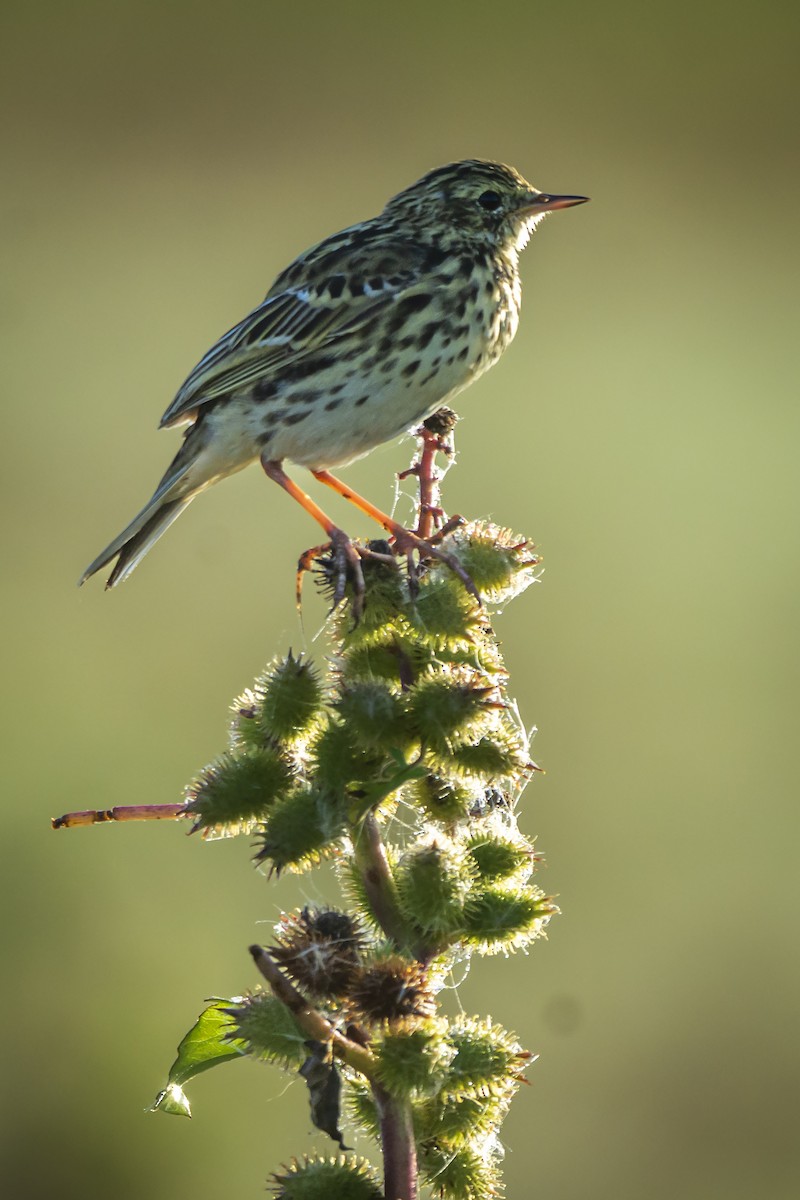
x=490, y=200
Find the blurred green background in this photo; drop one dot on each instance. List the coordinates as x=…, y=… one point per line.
x=161, y=162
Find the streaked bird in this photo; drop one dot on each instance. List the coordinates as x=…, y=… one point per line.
x=359, y=339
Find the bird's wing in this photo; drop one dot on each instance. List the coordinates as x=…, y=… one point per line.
x=324, y=297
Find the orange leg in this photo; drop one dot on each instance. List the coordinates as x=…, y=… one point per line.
x=405, y=540
x=347, y=556
x=274, y=470
x=381, y=518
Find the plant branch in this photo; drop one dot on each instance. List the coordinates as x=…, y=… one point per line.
x=310, y=1020
x=126, y=812
x=433, y=435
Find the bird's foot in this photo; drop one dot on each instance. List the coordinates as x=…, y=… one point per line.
x=343, y=566
x=406, y=542
x=343, y=560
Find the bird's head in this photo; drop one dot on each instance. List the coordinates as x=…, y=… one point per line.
x=476, y=200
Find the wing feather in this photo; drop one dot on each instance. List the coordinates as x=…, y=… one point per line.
x=311, y=306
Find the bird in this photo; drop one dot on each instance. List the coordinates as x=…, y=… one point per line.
x=360, y=338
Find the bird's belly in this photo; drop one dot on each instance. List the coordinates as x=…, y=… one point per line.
x=334, y=437
x=350, y=409
x=333, y=408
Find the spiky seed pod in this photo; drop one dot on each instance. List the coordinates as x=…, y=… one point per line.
x=457, y=1121
x=338, y=760
x=433, y=881
x=361, y=1107
x=499, y=855
x=448, y=708
x=413, y=1061
x=498, y=754
x=482, y=655
x=342, y=1178
x=442, y=423
x=487, y=1058
x=394, y=661
x=236, y=792
x=500, y=563
x=442, y=800
x=268, y=1031
x=302, y=829
x=444, y=614
x=374, y=715
x=466, y=1173
x=502, y=916
x=320, y=949
x=280, y=707
x=390, y=989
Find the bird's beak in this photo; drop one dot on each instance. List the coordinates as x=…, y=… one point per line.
x=542, y=202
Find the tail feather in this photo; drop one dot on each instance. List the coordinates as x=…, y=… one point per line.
x=204, y=457
x=134, y=542
x=178, y=487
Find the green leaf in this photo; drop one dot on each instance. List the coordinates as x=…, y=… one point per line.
x=172, y=1100
x=377, y=790
x=207, y=1044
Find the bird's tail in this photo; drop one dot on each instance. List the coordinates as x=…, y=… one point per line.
x=183, y=480
x=134, y=542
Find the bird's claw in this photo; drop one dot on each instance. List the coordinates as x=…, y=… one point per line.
x=343, y=567
x=406, y=542
x=346, y=565
x=345, y=558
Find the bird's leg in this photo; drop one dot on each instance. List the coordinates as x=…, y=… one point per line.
x=346, y=556
x=406, y=542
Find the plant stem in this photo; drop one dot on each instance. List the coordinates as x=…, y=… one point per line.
x=373, y=864
x=310, y=1020
x=397, y=1143
x=433, y=437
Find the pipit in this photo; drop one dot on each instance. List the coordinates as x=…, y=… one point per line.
x=360, y=338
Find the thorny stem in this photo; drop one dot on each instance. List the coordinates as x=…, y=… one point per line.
x=430, y=500
x=433, y=435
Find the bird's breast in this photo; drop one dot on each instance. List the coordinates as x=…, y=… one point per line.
x=411, y=363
